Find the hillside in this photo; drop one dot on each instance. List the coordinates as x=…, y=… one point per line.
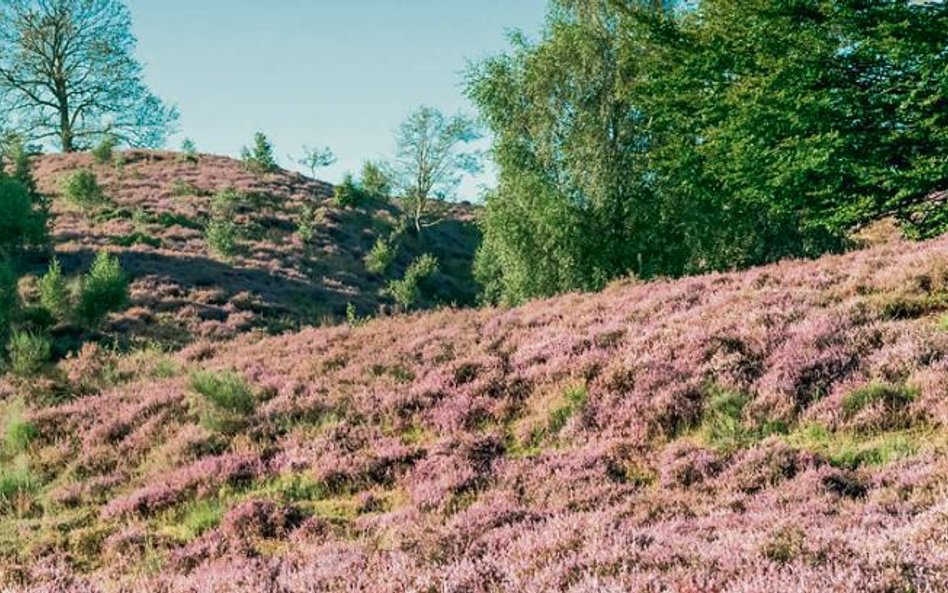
x=781, y=429
x=160, y=202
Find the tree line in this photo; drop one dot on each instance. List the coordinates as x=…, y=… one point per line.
x=645, y=138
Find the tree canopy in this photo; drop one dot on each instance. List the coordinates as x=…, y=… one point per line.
x=637, y=137
x=68, y=73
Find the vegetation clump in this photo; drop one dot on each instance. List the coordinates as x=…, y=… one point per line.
x=259, y=158
x=82, y=190
x=409, y=290
x=104, y=289
x=225, y=400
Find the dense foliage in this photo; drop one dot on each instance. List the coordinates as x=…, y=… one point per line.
x=634, y=138
x=68, y=71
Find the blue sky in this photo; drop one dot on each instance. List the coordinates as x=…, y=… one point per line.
x=317, y=72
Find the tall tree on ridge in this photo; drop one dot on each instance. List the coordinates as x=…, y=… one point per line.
x=68, y=71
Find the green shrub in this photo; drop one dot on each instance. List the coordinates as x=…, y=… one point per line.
x=28, y=352
x=376, y=183
x=18, y=433
x=17, y=153
x=259, y=159
x=408, y=291
x=348, y=193
x=226, y=203
x=221, y=235
x=9, y=299
x=81, y=189
x=22, y=223
x=180, y=187
x=305, y=229
x=380, y=257
x=189, y=151
x=54, y=292
x=103, y=290
x=225, y=400
x=102, y=153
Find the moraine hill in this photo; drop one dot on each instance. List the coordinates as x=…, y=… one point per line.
x=781, y=429
x=159, y=205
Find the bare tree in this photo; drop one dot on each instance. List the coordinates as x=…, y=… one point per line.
x=430, y=160
x=68, y=72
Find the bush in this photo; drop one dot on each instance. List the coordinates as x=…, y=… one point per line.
x=180, y=187
x=225, y=203
x=221, y=235
x=225, y=400
x=9, y=299
x=381, y=257
x=348, y=193
x=305, y=229
x=376, y=183
x=81, y=189
x=189, y=151
x=259, y=159
x=54, y=292
x=407, y=292
x=28, y=352
x=103, y=151
x=103, y=290
x=17, y=153
x=22, y=224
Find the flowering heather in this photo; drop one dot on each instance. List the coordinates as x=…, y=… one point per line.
x=781, y=429
x=154, y=219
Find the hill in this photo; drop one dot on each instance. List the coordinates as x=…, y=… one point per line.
x=181, y=291
x=781, y=429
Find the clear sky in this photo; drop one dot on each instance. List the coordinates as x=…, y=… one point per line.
x=341, y=73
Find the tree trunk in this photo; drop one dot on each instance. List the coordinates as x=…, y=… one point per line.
x=65, y=126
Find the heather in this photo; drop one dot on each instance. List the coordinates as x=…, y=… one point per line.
x=779, y=429
x=211, y=250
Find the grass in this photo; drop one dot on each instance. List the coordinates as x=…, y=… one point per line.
x=548, y=422
x=850, y=450
x=18, y=433
x=17, y=486
x=225, y=400
x=29, y=352
x=195, y=518
x=894, y=397
x=723, y=426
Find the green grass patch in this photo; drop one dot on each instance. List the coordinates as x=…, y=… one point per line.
x=193, y=519
x=18, y=433
x=723, y=426
x=17, y=486
x=225, y=400
x=893, y=397
x=850, y=450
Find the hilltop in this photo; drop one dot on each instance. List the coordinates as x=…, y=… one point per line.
x=277, y=281
x=780, y=429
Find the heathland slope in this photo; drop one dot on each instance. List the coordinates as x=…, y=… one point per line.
x=781, y=429
x=154, y=215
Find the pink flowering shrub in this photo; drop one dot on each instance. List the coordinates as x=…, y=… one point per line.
x=781, y=429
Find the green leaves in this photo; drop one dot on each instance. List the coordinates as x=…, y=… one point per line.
x=636, y=140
